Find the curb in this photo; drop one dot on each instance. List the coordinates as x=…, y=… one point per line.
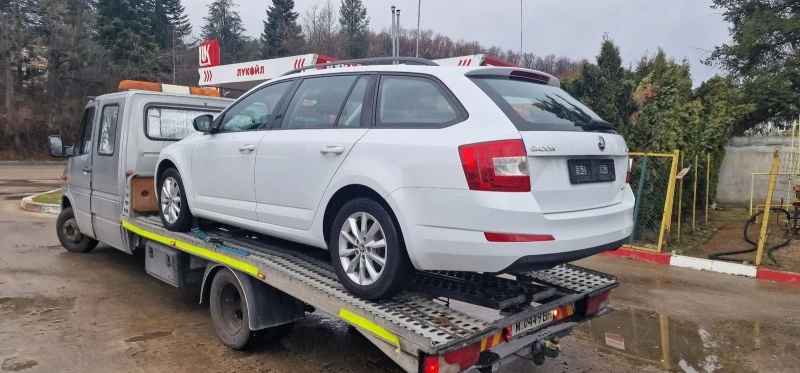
x=28, y=204
x=701, y=264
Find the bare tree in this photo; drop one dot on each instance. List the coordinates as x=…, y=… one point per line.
x=320, y=26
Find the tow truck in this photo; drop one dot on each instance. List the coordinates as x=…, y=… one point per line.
x=445, y=322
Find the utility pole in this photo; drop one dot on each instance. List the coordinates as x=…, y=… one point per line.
x=174, y=62
x=520, y=30
x=419, y=11
x=397, y=38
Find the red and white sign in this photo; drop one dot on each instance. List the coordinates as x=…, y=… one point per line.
x=209, y=54
x=471, y=60
x=246, y=75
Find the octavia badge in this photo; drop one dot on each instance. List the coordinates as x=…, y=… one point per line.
x=601, y=143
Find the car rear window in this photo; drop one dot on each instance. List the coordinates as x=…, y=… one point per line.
x=172, y=123
x=534, y=106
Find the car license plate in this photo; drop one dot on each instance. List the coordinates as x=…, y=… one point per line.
x=532, y=323
x=582, y=171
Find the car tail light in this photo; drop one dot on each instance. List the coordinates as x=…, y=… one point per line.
x=456, y=361
x=596, y=303
x=502, y=237
x=498, y=166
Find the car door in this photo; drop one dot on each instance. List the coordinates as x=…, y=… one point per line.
x=298, y=158
x=223, y=163
x=106, y=177
x=79, y=170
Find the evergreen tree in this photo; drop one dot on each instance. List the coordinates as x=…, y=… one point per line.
x=160, y=26
x=224, y=24
x=178, y=19
x=282, y=35
x=355, y=28
x=124, y=30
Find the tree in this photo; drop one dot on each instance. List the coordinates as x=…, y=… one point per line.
x=764, y=54
x=355, y=28
x=124, y=30
x=282, y=35
x=178, y=19
x=320, y=29
x=224, y=24
x=604, y=86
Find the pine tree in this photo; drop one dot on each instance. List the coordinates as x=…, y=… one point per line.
x=224, y=24
x=124, y=30
x=282, y=35
x=355, y=28
x=178, y=19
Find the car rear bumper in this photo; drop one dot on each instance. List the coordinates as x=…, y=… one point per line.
x=444, y=229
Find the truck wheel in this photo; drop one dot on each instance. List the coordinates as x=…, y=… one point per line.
x=367, y=253
x=70, y=235
x=174, y=210
x=230, y=316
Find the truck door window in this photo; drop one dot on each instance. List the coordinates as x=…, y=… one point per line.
x=108, y=130
x=83, y=139
x=254, y=111
x=172, y=123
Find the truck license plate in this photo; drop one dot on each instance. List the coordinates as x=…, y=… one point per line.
x=532, y=323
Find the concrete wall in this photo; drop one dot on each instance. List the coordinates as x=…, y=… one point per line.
x=745, y=155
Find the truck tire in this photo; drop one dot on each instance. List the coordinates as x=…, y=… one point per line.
x=172, y=206
x=70, y=235
x=367, y=251
x=230, y=316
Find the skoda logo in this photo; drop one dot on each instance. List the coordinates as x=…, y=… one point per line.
x=601, y=143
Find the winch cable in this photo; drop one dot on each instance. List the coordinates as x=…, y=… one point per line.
x=781, y=213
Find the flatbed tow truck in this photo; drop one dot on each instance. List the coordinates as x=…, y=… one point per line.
x=446, y=321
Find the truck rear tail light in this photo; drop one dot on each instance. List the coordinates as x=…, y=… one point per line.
x=503, y=237
x=456, y=361
x=596, y=303
x=498, y=166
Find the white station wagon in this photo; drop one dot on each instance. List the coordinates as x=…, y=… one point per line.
x=400, y=167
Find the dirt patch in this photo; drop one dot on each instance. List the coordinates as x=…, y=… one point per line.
x=725, y=232
x=150, y=335
x=15, y=364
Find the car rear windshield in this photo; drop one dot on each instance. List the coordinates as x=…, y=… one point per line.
x=534, y=106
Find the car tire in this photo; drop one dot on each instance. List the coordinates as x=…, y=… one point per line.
x=70, y=235
x=357, y=257
x=172, y=206
x=229, y=313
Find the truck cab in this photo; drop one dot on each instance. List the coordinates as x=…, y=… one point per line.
x=120, y=135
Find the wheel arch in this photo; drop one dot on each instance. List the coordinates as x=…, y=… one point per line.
x=266, y=305
x=348, y=193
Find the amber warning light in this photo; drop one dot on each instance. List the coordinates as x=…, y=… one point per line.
x=129, y=85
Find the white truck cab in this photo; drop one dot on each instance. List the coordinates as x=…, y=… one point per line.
x=120, y=135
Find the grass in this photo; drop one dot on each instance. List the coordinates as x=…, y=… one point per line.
x=52, y=198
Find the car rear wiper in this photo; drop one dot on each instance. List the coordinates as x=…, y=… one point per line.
x=599, y=125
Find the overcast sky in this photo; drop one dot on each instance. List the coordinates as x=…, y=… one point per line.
x=574, y=28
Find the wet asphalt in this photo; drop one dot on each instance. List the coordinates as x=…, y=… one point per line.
x=100, y=312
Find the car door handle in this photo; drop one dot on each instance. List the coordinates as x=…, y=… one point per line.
x=87, y=169
x=247, y=148
x=332, y=150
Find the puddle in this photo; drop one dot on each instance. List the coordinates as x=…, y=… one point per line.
x=683, y=346
x=149, y=335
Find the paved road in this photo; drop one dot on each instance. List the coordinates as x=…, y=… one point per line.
x=101, y=312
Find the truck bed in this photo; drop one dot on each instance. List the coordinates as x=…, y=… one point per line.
x=410, y=325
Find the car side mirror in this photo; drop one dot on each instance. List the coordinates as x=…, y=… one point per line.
x=56, y=147
x=203, y=123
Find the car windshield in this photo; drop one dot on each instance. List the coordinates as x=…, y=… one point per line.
x=539, y=107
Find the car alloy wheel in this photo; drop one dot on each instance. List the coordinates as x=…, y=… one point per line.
x=362, y=248
x=170, y=200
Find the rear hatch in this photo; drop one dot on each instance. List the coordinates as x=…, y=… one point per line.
x=575, y=159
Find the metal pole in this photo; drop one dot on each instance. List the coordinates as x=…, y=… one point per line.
x=398, y=33
x=520, y=29
x=708, y=186
x=419, y=11
x=694, y=197
x=393, y=32
x=680, y=198
x=762, y=237
x=637, y=203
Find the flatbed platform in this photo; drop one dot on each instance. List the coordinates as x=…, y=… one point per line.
x=414, y=323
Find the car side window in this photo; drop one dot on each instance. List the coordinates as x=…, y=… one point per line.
x=352, y=112
x=318, y=102
x=411, y=101
x=108, y=130
x=254, y=111
x=83, y=139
